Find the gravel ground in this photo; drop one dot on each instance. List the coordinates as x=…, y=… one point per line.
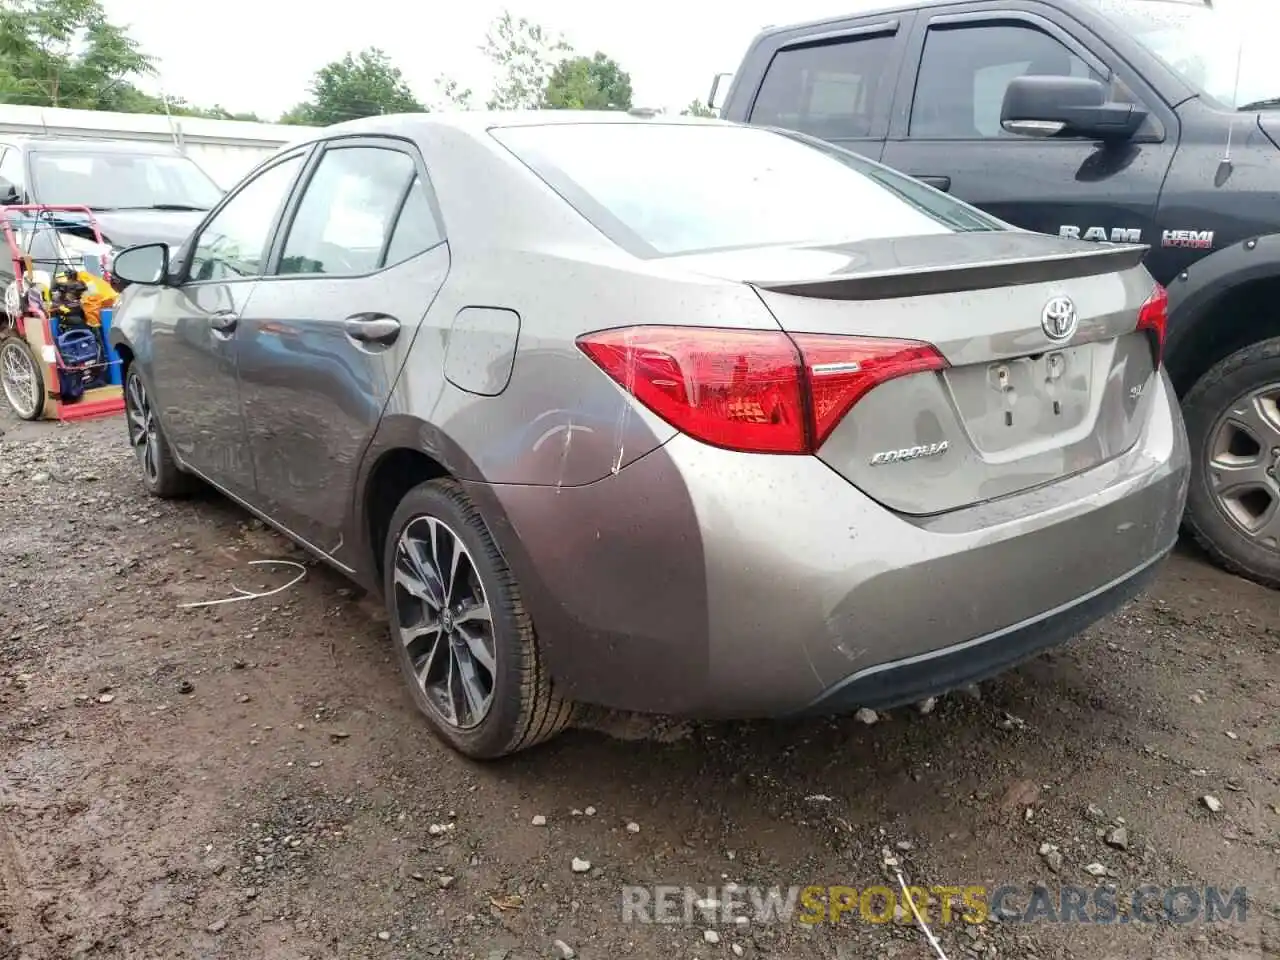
x=250, y=780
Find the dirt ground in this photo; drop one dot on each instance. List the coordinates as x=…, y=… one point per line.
x=250, y=780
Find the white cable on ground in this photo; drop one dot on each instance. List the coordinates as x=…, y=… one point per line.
x=245, y=594
x=891, y=862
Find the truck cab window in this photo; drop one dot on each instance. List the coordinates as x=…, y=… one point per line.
x=828, y=91
x=964, y=73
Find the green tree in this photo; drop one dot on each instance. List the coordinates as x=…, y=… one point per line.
x=364, y=85
x=698, y=109
x=588, y=83
x=66, y=53
x=450, y=95
x=524, y=55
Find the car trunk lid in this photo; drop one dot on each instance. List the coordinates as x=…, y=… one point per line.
x=1016, y=407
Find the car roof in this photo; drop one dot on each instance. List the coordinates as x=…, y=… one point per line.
x=36, y=142
x=479, y=121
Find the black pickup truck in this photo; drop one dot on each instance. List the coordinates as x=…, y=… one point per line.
x=1147, y=121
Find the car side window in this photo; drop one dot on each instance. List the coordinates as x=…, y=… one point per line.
x=965, y=71
x=348, y=212
x=416, y=229
x=233, y=245
x=828, y=90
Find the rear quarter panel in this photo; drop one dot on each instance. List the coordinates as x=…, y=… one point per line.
x=561, y=421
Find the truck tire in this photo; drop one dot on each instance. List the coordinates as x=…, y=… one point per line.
x=1233, y=424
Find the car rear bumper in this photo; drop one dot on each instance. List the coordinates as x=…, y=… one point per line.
x=913, y=679
x=697, y=581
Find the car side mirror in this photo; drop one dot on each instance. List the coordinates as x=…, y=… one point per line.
x=146, y=264
x=1067, y=107
x=9, y=193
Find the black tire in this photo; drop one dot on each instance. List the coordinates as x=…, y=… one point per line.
x=19, y=346
x=163, y=478
x=1228, y=545
x=525, y=709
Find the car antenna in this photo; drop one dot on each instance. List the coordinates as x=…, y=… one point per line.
x=1224, y=165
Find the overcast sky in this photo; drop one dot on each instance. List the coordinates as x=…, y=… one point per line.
x=260, y=55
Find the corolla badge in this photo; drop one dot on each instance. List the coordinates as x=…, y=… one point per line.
x=910, y=453
x=1059, y=319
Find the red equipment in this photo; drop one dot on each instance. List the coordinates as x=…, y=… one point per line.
x=32, y=367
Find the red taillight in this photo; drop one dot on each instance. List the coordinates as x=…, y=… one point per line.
x=1154, y=318
x=757, y=391
x=841, y=370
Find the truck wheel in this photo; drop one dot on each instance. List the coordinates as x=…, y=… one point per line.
x=1233, y=424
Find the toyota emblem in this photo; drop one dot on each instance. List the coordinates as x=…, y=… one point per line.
x=1059, y=319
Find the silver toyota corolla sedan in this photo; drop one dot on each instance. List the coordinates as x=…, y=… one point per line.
x=659, y=414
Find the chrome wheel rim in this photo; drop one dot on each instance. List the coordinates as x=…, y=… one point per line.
x=143, y=433
x=18, y=374
x=1244, y=465
x=444, y=622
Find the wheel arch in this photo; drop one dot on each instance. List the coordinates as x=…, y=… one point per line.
x=405, y=452
x=125, y=352
x=395, y=472
x=1223, y=303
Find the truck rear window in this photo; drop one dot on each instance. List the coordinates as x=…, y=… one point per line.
x=677, y=188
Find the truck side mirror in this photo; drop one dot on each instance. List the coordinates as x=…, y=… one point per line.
x=713, y=97
x=1067, y=107
x=8, y=193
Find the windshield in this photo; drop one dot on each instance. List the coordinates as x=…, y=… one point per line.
x=120, y=181
x=671, y=189
x=1202, y=45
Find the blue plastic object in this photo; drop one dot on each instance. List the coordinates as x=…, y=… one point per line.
x=113, y=371
x=79, y=346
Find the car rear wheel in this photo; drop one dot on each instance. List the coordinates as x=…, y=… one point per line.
x=21, y=378
x=160, y=472
x=464, y=641
x=1233, y=424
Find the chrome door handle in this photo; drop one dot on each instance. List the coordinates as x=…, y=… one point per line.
x=224, y=322
x=372, y=328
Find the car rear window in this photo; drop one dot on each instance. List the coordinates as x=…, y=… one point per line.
x=668, y=189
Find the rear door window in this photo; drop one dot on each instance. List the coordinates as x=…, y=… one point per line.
x=348, y=211
x=830, y=90
x=417, y=228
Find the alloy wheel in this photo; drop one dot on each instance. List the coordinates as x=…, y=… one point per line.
x=444, y=622
x=1244, y=465
x=143, y=432
x=20, y=380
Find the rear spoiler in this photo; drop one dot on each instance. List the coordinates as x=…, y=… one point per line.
x=960, y=278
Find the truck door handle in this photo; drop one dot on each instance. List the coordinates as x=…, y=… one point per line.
x=372, y=328
x=938, y=183
x=224, y=322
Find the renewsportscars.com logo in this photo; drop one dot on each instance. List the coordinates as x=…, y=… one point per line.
x=974, y=904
